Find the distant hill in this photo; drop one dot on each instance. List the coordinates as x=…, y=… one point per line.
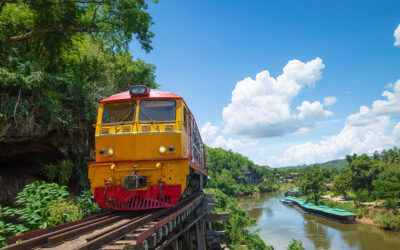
x=341, y=163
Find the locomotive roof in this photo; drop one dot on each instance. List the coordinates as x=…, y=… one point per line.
x=154, y=93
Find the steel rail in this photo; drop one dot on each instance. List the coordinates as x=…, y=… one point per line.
x=116, y=233
x=70, y=231
x=99, y=240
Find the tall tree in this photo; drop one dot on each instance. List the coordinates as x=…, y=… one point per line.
x=342, y=183
x=312, y=182
x=363, y=170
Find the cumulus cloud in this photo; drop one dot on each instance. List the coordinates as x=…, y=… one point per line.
x=212, y=137
x=368, y=130
x=329, y=100
x=261, y=107
x=396, y=35
x=314, y=110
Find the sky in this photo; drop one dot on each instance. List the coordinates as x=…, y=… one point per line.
x=283, y=82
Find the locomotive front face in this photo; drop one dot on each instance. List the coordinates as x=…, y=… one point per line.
x=142, y=153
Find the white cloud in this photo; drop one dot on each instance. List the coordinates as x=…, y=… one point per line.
x=212, y=137
x=208, y=133
x=396, y=35
x=364, y=132
x=329, y=100
x=314, y=110
x=261, y=107
x=391, y=106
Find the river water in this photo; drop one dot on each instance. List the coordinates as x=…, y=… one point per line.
x=278, y=224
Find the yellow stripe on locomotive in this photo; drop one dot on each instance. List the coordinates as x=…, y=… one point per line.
x=148, y=151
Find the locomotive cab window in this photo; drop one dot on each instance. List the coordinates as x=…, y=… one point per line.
x=118, y=112
x=161, y=110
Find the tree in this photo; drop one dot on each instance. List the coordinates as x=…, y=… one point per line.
x=342, y=183
x=363, y=170
x=386, y=190
x=51, y=24
x=312, y=182
x=57, y=60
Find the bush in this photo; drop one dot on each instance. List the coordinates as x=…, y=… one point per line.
x=40, y=205
x=295, y=245
x=87, y=203
x=60, y=172
x=62, y=212
x=388, y=221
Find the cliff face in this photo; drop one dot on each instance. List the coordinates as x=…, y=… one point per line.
x=24, y=150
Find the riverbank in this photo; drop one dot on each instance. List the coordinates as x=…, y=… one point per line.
x=278, y=223
x=369, y=214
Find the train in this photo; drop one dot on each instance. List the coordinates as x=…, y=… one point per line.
x=149, y=152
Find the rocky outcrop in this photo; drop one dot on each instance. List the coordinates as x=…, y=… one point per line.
x=24, y=150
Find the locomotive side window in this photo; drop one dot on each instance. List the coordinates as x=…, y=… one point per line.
x=161, y=110
x=185, y=118
x=118, y=112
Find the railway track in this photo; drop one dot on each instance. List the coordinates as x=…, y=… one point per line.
x=123, y=228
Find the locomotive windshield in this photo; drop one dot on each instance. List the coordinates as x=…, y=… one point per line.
x=160, y=110
x=118, y=112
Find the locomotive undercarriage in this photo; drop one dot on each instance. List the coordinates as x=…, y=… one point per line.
x=194, y=183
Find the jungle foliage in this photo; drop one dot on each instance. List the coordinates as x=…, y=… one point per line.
x=335, y=164
x=370, y=178
x=232, y=175
x=312, y=183
x=236, y=227
x=236, y=175
x=367, y=178
x=57, y=60
x=40, y=205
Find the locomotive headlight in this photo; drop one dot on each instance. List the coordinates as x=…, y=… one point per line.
x=162, y=149
x=110, y=151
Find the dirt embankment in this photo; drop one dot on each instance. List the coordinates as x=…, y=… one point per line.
x=367, y=221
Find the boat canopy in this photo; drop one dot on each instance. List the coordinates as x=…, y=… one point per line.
x=325, y=209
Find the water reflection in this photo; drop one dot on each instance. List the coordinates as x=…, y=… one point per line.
x=317, y=234
x=279, y=223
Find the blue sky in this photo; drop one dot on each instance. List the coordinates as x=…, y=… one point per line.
x=210, y=52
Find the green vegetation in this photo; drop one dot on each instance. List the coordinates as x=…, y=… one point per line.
x=236, y=228
x=388, y=221
x=335, y=164
x=374, y=179
x=295, y=245
x=236, y=175
x=54, y=69
x=60, y=172
x=312, y=183
x=233, y=175
x=57, y=60
x=40, y=205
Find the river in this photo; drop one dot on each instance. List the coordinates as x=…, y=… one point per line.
x=278, y=224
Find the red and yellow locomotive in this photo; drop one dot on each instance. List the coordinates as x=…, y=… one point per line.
x=149, y=153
